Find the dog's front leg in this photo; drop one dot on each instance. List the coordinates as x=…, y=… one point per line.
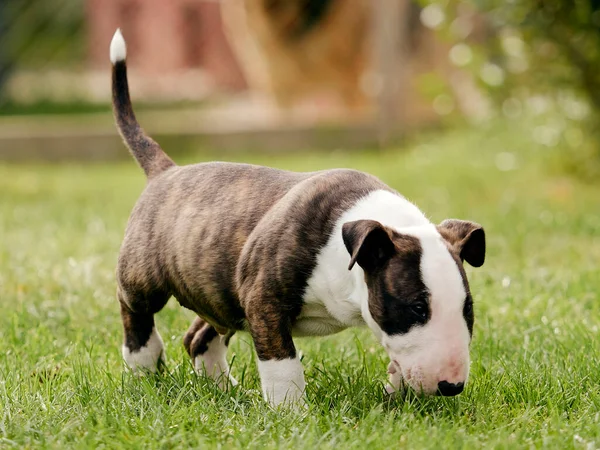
x=280, y=369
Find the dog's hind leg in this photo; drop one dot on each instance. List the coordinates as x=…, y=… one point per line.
x=208, y=350
x=143, y=348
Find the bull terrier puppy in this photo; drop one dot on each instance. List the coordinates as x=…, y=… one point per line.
x=281, y=254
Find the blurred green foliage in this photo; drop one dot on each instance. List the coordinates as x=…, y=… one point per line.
x=535, y=58
x=37, y=33
x=562, y=41
x=40, y=35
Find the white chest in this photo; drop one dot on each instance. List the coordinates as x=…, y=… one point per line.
x=316, y=320
x=337, y=298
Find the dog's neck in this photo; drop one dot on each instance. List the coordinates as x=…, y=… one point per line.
x=342, y=292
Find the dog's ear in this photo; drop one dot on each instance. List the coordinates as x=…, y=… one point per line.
x=368, y=242
x=467, y=238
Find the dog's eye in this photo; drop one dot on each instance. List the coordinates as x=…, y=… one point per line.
x=419, y=310
x=468, y=308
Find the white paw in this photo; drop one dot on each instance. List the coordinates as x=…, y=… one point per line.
x=282, y=382
x=213, y=364
x=147, y=357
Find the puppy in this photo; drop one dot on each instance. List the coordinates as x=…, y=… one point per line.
x=281, y=254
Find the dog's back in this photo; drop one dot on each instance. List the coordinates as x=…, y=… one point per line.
x=188, y=229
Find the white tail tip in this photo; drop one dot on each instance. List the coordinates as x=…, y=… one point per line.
x=118, y=49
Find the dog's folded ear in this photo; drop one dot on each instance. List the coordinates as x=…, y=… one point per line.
x=368, y=242
x=467, y=238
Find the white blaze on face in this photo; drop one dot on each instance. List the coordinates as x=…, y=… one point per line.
x=439, y=350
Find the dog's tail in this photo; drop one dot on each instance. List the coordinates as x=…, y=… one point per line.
x=144, y=149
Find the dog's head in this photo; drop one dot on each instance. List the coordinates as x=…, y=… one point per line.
x=419, y=302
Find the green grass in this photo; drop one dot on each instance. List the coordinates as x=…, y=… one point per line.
x=535, y=376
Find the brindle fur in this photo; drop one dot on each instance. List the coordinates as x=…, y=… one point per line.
x=199, y=336
x=234, y=243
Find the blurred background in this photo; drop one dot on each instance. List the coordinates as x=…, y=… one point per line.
x=295, y=74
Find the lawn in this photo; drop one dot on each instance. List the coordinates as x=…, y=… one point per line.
x=535, y=375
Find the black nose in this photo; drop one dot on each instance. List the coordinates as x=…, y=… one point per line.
x=449, y=389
